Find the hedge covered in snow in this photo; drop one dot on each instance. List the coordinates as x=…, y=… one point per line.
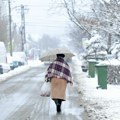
x=113, y=76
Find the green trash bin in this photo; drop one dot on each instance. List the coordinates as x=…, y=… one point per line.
x=102, y=76
x=91, y=68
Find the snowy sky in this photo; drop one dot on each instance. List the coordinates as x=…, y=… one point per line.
x=40, y=19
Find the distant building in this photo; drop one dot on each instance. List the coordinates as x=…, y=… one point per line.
x=3, y=54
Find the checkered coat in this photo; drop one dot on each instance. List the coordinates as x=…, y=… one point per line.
x=59, y=69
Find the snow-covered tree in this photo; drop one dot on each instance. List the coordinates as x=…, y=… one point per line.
x=108, y=16
x=115, y=50
x=95, y=45
x=100, y=15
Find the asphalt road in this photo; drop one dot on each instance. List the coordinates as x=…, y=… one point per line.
x=20, y=99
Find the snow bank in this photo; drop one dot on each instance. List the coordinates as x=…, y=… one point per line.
x=110, y=62
x=100, y=104
x=14, y=72
x=21, y=69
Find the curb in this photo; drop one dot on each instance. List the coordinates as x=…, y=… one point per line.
x=13, y=73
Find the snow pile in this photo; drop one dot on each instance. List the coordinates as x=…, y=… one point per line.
x=21, y=69
x=100, y=104
x=14, y=72
x=113, y=62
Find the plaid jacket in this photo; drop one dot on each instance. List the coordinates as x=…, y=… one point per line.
x=59, y=69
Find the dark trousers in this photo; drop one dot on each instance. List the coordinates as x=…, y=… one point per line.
x=58, y=103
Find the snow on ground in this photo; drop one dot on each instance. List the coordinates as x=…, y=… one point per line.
x=20, y=69
x=100, y=104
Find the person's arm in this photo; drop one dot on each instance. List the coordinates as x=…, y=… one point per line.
x=71, y=81
x=47, y=79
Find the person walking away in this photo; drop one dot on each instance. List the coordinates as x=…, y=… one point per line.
x=58, y=73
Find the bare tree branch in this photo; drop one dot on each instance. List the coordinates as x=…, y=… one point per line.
x=73, y=18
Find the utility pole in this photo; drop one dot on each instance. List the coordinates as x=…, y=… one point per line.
x=23, y=33
x=10, y=35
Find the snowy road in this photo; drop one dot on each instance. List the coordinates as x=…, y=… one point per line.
x=20, y=100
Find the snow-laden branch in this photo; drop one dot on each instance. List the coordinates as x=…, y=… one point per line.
x=73, y=17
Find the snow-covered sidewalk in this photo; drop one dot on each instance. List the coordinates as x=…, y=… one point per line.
x=100, y=104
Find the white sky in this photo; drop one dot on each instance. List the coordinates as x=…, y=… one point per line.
x=39, y=18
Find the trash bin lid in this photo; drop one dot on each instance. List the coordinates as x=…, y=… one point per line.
x=92, y=60
x=101, y=64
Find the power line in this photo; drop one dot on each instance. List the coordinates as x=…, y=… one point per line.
x=52, y=20
x=47, y=25
x=43, y=5
x=42, y=25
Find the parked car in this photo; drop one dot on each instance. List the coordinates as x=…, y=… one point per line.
x=4, y=68
x=15, y=64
